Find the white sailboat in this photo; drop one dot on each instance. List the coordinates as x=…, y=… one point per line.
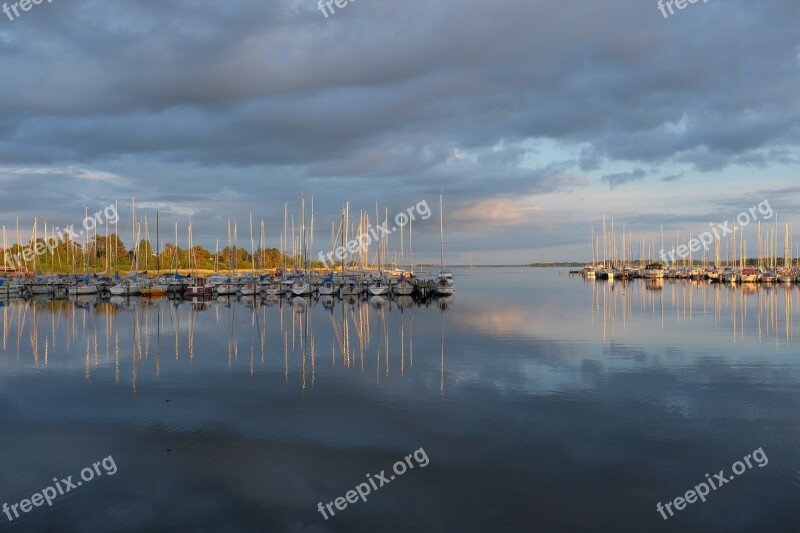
x=378, y=286
x=301, y=285
x=445, y=283
x=404, y=287
x=252, y=287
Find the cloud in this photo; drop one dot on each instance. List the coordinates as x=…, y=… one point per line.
x=615, y=180
x=673, y=177
x=218, y=108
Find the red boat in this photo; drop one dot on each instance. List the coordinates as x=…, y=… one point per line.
x=198, y=288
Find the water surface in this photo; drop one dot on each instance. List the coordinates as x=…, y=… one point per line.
x=543, y=402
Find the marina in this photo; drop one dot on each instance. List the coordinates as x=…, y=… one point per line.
x=40, y=277
x=405, y=267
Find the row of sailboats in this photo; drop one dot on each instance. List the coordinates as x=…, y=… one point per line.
x=736, y=267
x=355, y=277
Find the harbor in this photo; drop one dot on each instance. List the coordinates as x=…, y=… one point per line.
x=271, y=273
x=430, y=267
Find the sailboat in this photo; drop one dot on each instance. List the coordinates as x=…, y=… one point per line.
x=155, y=288
x=224, y=285
x=130, y=285
x=328, y=286
x=252, y=287
x=198, y=288
x=445, y=283
x=378, y=286
x=301, y=286
x=404, y=286
x=83, y=286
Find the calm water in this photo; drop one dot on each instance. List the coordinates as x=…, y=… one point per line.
x=543, y=403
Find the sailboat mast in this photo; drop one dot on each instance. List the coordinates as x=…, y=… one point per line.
x=441, y=233
x=158, y=245
x=410, y=246
x=252, y=247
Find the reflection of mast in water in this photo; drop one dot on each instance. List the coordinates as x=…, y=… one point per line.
x=788, y=312
x=385, y=338
x=52, y=332
x=441, y=336
x=116, y=357
x=402, y=345
x=87, y=367
x=233, y=341
x=313, y=360
x=192, y=323
x=411, y=339
x=286, y=355
x=255, y=328
x=358, y=325
x=23, y=317
x=34, y=336
x=158, y=340
x=175, y=319
x=337, y=337
x=96, y=351
x=345, y=337
x=301, y=315
x=263, y=337
x=146, y=317
x=137, y=348
x=5, y=327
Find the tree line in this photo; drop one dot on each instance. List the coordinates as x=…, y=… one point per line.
x=109, y=254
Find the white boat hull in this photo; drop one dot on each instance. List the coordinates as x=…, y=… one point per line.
x=403, y=289
x=42, y=289
x=327, y=288
x=132, y=289
x=83, y=290
x=300, y=289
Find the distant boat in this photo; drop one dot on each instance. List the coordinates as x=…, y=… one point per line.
x=749, y=275
x=786, y=276
x=378, y=287
x=328, y=286
x=126, y=287
x=445, y=284
x=273, y=288
x=198, y=288
x=654, y=271
x=403, y=288
x=605, y=273
x=226, y=287
x=81, y=288
x=251, y=288
x=300, y=287
x=350, y=287
x=730, y=275
x=715, y=275
x=154, y=289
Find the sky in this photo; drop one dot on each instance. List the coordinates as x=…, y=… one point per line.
x=532, y=118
